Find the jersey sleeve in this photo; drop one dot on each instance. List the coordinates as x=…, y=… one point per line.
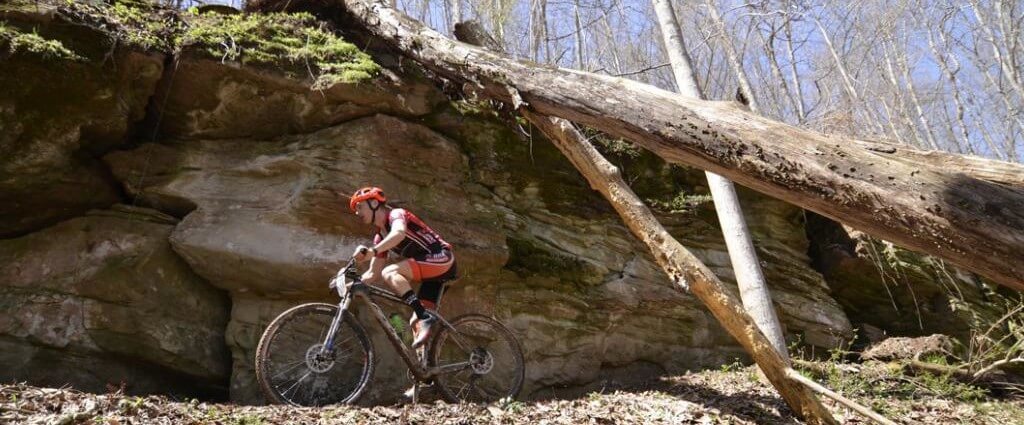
x=396, y=215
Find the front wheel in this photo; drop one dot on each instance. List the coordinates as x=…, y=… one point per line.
x=479, y=358
x=294, y=367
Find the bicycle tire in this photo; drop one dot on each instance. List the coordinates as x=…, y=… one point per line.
x=480, y=334
x=266, y=364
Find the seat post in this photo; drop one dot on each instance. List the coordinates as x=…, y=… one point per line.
x=440, y=296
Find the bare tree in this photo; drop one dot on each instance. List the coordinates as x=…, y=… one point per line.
x=578, y=36
x=753, y=289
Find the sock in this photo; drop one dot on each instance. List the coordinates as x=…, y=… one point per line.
x=414, y=302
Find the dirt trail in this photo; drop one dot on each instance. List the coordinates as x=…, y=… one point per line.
x=731, y=396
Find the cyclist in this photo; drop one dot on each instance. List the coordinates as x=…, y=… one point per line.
x=425, y=257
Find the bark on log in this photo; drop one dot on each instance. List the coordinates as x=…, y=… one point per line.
x=1008, y=174
x=973, y=223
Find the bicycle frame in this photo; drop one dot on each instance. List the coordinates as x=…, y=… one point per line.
x=366, y=293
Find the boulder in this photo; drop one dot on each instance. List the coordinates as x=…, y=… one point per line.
x=102, y=300
x=272, y=217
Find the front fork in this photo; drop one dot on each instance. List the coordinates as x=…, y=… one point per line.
x=328, y=345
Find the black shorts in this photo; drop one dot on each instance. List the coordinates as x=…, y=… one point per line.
x=432, y=288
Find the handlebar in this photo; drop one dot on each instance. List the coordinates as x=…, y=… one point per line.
x=352, y=261
x=348, y=271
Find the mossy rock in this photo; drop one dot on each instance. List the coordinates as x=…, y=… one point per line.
x=294, y=42
x=57, y=115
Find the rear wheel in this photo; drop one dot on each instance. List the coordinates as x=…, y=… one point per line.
x=483, y=358
x=293, y=368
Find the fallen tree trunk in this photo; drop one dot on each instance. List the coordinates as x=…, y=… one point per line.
x=971, y=222
x=990, y=377
x=818, y=388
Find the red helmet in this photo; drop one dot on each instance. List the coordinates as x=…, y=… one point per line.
x=365, y=194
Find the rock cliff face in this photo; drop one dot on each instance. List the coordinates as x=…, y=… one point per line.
x=237, y=206
x=535, y=246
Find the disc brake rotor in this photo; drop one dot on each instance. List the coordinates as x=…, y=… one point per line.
x=319, y=362
x=481, y=361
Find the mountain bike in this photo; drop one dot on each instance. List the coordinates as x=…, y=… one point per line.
x=318, y=354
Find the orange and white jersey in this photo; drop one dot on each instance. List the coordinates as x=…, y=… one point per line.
x=420, y=243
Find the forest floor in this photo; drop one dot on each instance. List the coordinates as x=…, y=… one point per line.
x=732, y=394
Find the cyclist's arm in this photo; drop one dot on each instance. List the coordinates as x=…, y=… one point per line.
x=372, y=274
x=393, y=238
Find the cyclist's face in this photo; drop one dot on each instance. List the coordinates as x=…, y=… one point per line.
x=364, y=212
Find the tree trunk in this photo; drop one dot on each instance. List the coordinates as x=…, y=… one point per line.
x=456, y=12
x=973, y=223
x=732, y=56
x=753, y=289
x=580, y=64
x=675, y=49
x=799, y=93
x=940, y=57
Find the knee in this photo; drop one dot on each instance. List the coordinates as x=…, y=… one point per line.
x=389, y=273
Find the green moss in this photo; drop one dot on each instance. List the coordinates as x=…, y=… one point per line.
x=617, y=147
x=296, y=40
x=296, y=43
x=682, y=202
x=16, y=41
x=667, y=188
x=136, y=23
x=149, y=27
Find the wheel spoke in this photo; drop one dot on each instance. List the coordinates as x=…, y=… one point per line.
x=296, y=383
x=338, y=344
x=488, y=394
x=323, y=333
x=462, y=390
x=294, y=365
